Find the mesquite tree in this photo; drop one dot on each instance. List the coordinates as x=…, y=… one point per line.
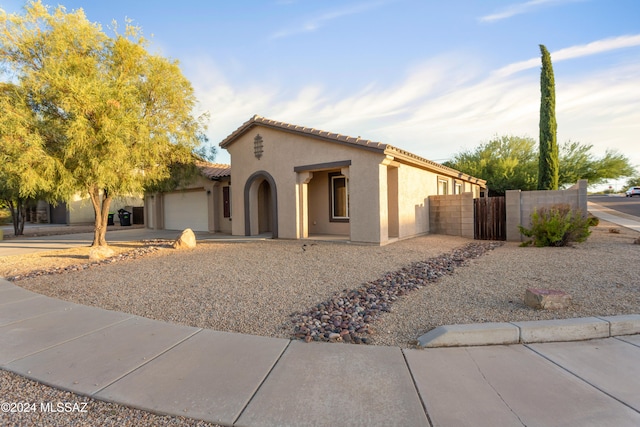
x=106, y=117
x=548, y=164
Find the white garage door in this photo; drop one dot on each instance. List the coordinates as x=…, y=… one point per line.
x=186, y=210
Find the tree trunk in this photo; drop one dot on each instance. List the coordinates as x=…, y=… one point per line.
x=18, y=215
x=101, y=205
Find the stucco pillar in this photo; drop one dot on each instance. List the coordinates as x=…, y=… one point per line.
x=384, y=203
x=302, y=203
x=582, y=197
x=214, y=203
x=514, y=215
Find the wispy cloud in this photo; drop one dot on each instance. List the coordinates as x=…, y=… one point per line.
x=593, y=48
x=520, y=8
x=441, y=107
x=319, y=21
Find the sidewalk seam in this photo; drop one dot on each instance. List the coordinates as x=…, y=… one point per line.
x=626, y=342
x=145, y=363
x=253, y=395
x=4, y=366
x=415, y=385
x=494, y=389
x=582, y=379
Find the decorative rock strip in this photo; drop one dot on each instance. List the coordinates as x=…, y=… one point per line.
x=347, y=315
x=151, y=247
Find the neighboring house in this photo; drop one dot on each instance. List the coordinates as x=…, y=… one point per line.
x=203, y=205
x=79, y=210
x=295, y=182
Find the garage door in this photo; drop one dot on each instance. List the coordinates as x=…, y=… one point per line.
x=186, y=210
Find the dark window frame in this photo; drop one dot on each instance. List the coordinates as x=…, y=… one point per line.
x=332, y=178
x=226, y=201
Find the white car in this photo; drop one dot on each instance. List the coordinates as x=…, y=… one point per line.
x=633, y=191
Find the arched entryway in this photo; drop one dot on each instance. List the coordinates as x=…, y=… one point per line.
x=264, y=207
x=260, y=205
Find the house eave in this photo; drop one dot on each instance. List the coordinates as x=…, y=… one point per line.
x=415, y=160
x=326, y=136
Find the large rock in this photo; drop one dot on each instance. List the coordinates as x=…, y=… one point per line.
x=187, y=240
x=547, y=299
x=97, y=253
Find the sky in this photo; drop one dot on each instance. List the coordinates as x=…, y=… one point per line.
x=430, y=77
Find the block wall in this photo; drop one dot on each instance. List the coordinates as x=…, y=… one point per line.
x=451, y=215
x=521, y=204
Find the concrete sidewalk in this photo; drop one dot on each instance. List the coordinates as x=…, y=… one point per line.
x=244, y=380
x=615, y=217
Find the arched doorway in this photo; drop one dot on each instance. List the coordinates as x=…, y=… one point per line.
x=264, y=207
x=260, y=205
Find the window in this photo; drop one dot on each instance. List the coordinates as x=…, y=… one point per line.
x=443, y=186
x=457, y=188
x=226, y=201
x=339, y=193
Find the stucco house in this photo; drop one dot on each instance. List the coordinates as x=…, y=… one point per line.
x=203, y=205
x=295, y=182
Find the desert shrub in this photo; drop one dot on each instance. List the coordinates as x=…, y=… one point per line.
x=556, y=226
x=593, y=221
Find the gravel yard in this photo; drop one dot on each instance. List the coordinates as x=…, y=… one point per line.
x=255, y=287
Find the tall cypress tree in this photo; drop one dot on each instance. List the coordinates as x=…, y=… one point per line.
x=548, y=164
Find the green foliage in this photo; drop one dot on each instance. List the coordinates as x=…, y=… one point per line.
x=511, y=163
x=633, y=180
x=506, y=163
x=5, y=216
x=593, y=221
x=548, y=163
x=556, y=226
x=577, y=162
x=97, y=115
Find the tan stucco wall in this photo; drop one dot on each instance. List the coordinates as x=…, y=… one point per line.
x=282, y=152
x=220, y=223
x=319, y=210
x=415, y=187
x=388, y=197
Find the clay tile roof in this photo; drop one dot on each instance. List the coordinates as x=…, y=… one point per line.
x=344, y=139
x=329, y=136
x=214, y=171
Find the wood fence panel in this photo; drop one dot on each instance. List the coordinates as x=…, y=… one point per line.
x=490, y=218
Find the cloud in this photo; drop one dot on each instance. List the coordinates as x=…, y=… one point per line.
x=442, y=107
x=593, y=48
x=520, y=8
x=321, y=20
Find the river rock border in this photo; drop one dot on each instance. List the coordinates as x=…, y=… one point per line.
x=346, y=316
x=151, y=246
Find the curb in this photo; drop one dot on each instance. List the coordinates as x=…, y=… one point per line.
x=577, y=329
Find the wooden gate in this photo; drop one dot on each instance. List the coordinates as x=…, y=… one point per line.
x=490, y=218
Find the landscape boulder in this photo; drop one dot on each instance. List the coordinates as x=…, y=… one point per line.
x=186, y=240
x=547, y=299
x=97, y=253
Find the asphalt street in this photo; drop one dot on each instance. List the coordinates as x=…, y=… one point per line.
x=627, y=205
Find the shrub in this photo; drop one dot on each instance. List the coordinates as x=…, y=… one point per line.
x=593, y=221
x=556, y=226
